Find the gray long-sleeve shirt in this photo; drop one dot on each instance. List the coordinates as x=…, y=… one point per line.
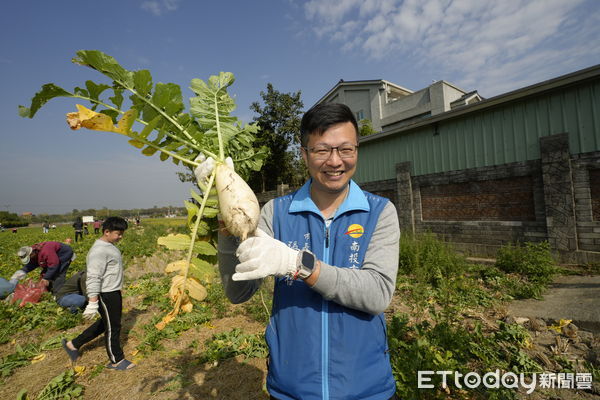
x=367, y=289
x=104, y=268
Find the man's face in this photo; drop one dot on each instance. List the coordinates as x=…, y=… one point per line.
x=113, y=236
x=331, y=175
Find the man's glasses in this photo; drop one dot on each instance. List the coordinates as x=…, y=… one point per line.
x=323, y=151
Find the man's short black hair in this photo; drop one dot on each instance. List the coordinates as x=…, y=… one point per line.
x=114, y=224
x=323, y=116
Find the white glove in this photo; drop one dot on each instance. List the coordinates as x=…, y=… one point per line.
x=91, y=309
x=261, y=256
x=205, y=169
x=17, y=276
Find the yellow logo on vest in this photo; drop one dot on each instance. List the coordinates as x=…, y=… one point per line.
x=355, y=230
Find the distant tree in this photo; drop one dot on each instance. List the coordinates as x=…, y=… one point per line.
x=278, y=118
x=10, y=220
x=365, y=127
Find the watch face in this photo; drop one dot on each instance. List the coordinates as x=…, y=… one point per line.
x=308, y=260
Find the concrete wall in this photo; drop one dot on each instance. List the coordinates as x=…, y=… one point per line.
x=555, y=198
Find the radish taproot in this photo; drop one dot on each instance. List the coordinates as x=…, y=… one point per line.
x=237, y=202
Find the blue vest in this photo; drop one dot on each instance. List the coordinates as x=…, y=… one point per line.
x=320, y=349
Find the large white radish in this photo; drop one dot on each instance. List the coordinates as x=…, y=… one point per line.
x=238, y=204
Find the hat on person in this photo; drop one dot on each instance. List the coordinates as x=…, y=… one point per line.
x=24, y=254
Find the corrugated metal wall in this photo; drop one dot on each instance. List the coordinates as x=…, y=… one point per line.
x=503, y=134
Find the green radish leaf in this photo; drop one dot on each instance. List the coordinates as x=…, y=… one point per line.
x=106, y=65
x=204, y=248
x=95, y=90
x=48, y=92
x=149, y=151
x=142, y=80
x=203, y=228
x=210, y=212
x=149, y=128
x=81, y=92
x=117, y=99
x=192, y=210
x=167, y=96
x=202, y=269
x=136, y=143
x=196, y=196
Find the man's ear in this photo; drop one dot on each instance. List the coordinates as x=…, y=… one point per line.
x=304, y=153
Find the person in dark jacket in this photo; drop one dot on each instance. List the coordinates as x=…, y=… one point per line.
x=53, y=258
x=73, y=294
x=78, y=226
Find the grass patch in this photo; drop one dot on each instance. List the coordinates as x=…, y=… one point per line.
x=440, y=332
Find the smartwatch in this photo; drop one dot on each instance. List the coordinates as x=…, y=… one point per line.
x=305, y=264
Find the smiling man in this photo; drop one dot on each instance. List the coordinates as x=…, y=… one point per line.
x=333, y=250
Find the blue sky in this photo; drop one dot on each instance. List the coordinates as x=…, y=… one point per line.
x=490, y=46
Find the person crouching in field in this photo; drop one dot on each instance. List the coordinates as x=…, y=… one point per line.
x=53, y=258
x=104, y=282
x=73, y=294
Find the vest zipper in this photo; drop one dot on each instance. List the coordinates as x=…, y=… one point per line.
x=325, y=326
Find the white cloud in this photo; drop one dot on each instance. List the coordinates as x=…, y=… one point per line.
x=159, y=7
x=472, y=41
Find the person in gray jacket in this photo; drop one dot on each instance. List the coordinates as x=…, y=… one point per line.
x=104, y=282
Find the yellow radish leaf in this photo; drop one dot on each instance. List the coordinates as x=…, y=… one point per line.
x=79, y=369
x=176, y=287
x=171, y=315
x=175, y=241
x=38, y=358
x=195, y=289
x=166, y=319
x=186, y=305
x=176, y=266
x=86, y=118
x=126, y=122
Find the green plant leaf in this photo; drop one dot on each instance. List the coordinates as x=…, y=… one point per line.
x=142, y=80
x=105, y=64
x=117, y=99
x=192, y=210
x=48, y=92
x=22, y=395
x=202, y=269
x=95, y=90
x=204, y=248
x=167, y=96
